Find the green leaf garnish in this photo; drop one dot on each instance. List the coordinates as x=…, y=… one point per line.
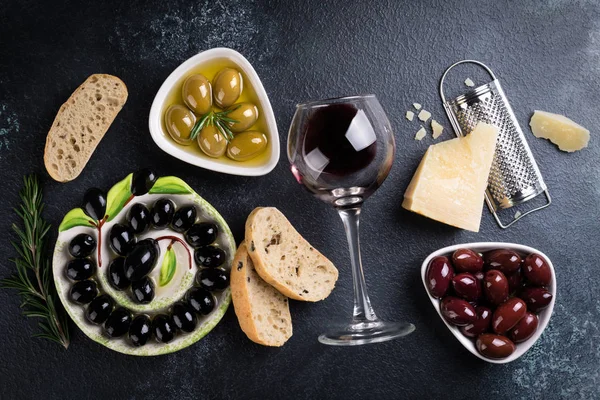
x=75, y=217
x=219, y=119
x=170, y=185
x=118, y=196
x=167, y=270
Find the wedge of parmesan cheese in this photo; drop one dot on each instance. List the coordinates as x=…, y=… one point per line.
x=437, y=128
x=410, y=115
x=563, y=132
x=424, y=115
x=420, y=133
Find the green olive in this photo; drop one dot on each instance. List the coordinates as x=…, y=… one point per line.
x=180, y=121
x=246, y=145
x=212, y=142
x=197, y=94
x=228, y=86
x=245, y=113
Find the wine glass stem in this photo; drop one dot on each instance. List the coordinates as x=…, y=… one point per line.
x=363, y=312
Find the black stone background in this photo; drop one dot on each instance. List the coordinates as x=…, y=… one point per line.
x=547, y=56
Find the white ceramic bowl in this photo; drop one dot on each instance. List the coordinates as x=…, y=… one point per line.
x=163, y=140
x=544, y=315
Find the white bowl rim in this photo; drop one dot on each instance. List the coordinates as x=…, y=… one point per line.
x=544, y=315
x=155, y=117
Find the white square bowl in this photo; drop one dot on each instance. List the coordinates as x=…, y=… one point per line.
x=163, y=140
x=543, y=316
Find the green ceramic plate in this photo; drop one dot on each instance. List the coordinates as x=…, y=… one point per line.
x=176, y=280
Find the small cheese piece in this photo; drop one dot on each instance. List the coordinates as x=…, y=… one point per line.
x=450, y=182
x=563, y=132
x=420, y=133
x=424, y=115
x=469, y=82
x=410, y=115
x=437, y=128
x=417, y=106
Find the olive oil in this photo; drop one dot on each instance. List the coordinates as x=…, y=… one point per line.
x=210, y=70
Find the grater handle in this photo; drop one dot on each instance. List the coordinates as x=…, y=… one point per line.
x=482, y=65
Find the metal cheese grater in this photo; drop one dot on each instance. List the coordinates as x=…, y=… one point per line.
x=514, y=177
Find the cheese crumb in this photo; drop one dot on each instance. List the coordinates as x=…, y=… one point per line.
x=424, y=115
x=517, y=214
x=410, y=115
x=563, y=132
x=420, y=133
x=437, y=128
x=417, y=106
x=469, y=82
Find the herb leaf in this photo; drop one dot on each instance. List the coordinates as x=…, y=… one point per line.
x=169, y=265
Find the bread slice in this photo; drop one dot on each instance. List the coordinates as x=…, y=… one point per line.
x=284, y=259
x=80, y=125
x=263, y=312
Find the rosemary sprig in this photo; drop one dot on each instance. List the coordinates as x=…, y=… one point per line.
x=33, y=278
x=218, y=119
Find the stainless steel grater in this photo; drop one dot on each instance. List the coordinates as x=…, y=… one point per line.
x=515, y=177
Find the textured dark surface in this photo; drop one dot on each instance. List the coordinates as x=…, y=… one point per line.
x=547, y=55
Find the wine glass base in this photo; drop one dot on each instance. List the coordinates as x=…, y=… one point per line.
x=357, y=333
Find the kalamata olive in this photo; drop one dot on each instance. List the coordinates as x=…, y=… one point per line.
x=503, y=260
x=246, y=145
x=495, y=287
x=227, y=87
x=94, y=203
x=209, y=256
x=183, y=219
x=138, y=218
x=121, y=239
x=536, y=298
x=494, y=346
x=143, y=290
x=481, y=325
x=213, y=279
x=465, y=285
x=116, y=274
x=82, y=245
x=515, y=281
x=466, y=260
x=536, y=270
x=83, y=292
x=211, y=141
x=163, y=328
x=80, y=269
x=508, y=314
x=201, y=300
x=100, y=309
x=457, y=311
x=197, y=94
x=179, y=121
x=184, y=317
x=162, y=213
x=246, y=115
x=140, y=330
x=118, y=323
x=140, y=261
x=439, y=275
x=201, y=234
x=142, y=181
x=524, y=329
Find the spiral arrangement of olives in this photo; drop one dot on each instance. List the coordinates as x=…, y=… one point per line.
x=133, y=262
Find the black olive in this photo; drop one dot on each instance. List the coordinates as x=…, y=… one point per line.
x=80, y=269
x=209, y=256
x=84, y=291
x=121, y=239
x=94, y=203
x=201, y=300
x=140, y=330
x=183, y=219
x=143, y=290
x=140, y=261
x=213, y=279
x=82, y=245
x=138, y=218
x=184, y=317
x=163, y=328
x=142, y=181
x=116, y=274
x=118, y=323
x=162, y=213
x=100, y=309
x=201, y=234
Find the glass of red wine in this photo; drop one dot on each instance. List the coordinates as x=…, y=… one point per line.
x=342, y=150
